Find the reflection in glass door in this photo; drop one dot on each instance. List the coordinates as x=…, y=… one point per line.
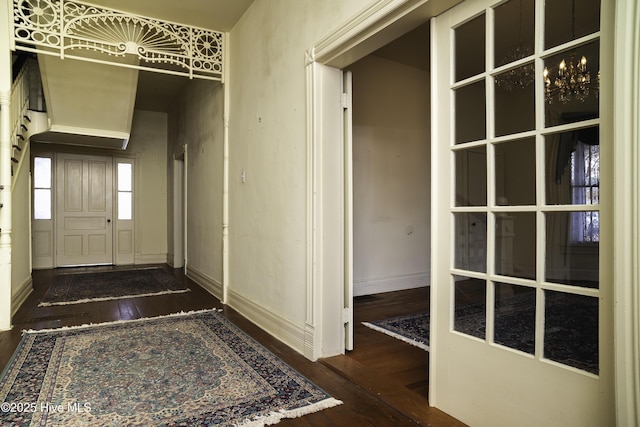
x=526, y=255
x=517, y=159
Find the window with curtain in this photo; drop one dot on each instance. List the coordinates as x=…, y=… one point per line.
x=585, y=189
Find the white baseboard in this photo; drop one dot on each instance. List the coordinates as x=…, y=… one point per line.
x=151, y=258
x=277, y=326
x=400, y=282
x=20, y=295
x=171, y=261
x=213, y=286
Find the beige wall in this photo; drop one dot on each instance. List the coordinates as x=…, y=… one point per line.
x=267, y=140
x=391, y=176
x=197, y=122
x=149, y=144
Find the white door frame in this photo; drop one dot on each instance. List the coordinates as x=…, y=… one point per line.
x=626, y=231
x=328, y=247
x=178, y=213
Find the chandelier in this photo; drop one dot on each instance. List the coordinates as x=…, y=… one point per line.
x=573, y=81
x=519, y=77
x=523, y=76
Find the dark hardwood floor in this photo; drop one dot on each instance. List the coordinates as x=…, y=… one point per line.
x=383, y=382
x=396, y=372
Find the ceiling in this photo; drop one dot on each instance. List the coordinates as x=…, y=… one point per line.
x=217, y=15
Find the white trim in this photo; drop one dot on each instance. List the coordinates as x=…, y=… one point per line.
x=159, y=258
x=213, y=286
x=283, y=329
x=225, y=172
x=397, y=282
x=20, y=294
x=371, y=28
x=311, y=338
x=5, y=170
x=93, y=33
x=626, y=116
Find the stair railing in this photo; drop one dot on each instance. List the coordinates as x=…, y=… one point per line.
x=20, y=120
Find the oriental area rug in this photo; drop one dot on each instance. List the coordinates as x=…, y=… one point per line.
x=187, y=369
x=570, y=336
x=412, y=329
x=74, y=288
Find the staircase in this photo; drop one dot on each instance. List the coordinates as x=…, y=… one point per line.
x=26, y=122
x=89, y=104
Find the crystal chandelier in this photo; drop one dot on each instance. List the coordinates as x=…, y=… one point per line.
x=523, y=76
x=573, y=81
x=519, y=77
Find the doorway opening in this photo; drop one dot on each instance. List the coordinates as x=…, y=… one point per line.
x=391, y=216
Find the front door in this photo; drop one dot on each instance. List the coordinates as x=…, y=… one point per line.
x=521, y=304
x=84, y=210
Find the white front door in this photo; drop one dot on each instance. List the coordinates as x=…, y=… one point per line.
x=84, y=210
x=521, y=306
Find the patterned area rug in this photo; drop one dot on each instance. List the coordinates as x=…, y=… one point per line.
x=571, y=326
x=77, y=288
x=412, y=329
x=194, y=369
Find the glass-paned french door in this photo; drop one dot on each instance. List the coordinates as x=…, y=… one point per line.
x=518, y=89
x=526, y=158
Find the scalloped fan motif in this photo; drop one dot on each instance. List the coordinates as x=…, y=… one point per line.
x=85, y=26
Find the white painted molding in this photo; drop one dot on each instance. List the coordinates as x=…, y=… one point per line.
x=627, y=211
x=399, y=282
x=283, y=329
x=311, y=338
x=170, y=260
x=22, y=291
x=211, y=285
x=349, y=34
x=5, y=171
x=160, y=258
x=373, y=27
x=59, y=27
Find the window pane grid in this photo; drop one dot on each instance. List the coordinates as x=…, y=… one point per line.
x=42, y=191
x=579, y=208
x=125, y=191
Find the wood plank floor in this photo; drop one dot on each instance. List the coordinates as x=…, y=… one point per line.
x=383, y=382
x=393, y=370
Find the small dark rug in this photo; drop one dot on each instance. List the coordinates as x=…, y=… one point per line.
x=189, y=369
x=412, y=329
x=77, y=288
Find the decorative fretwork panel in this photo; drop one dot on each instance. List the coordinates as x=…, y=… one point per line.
x=58, y=27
